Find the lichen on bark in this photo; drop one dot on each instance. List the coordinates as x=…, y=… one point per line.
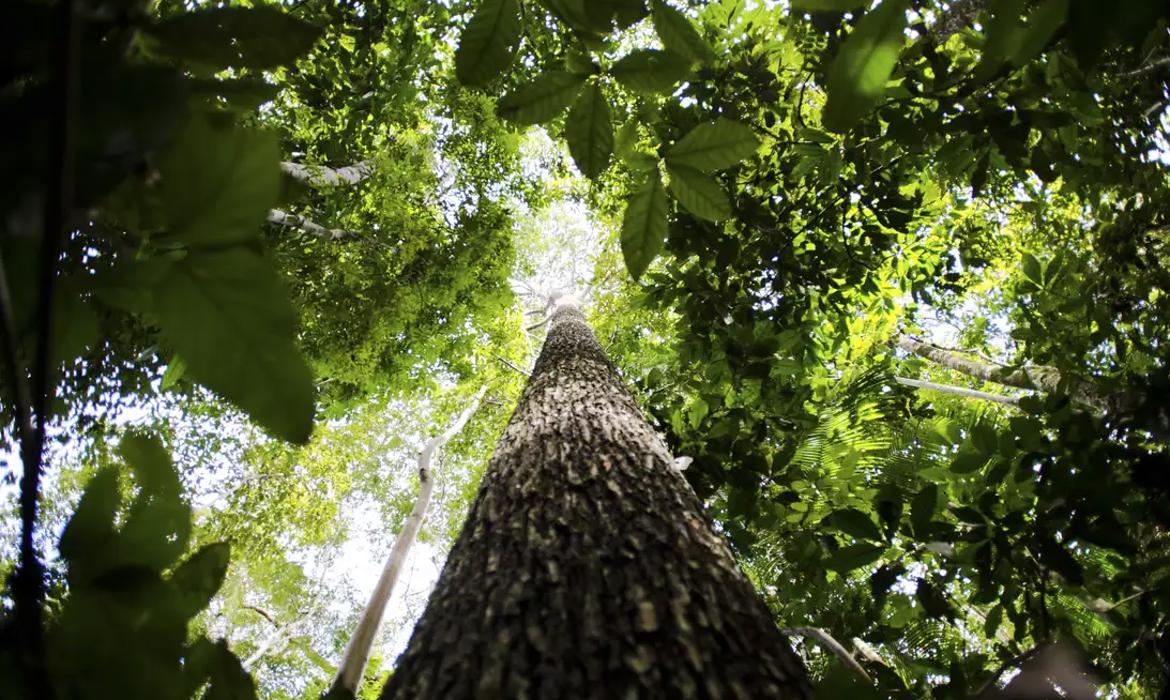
x=586, y=567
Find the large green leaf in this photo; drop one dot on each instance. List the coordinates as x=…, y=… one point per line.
x=651, y=70
x=854, y=556
x=488, y=42
x=644, y=224
x=589, y=131
x=700, y=194
x=245, y=37
x=218, y=184
x=922, y=509
x=714, y=146
x=678, y=34
x=228, y=316
x=854, y=523
x=158, y=524
x=92, y=524
x=542, y=99
x=198, y=578
x=857, y=79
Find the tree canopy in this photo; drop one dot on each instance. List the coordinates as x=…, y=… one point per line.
x=889, y=277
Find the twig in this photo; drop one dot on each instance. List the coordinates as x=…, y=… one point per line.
x=1017, y=660
x=1148, y=68
x=509, y=365
x=959, y=391
x=832, y=645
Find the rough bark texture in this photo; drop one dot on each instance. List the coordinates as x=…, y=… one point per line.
x=586, y=568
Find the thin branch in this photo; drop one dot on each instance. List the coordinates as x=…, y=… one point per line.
x=534, y=326
x=283, y=218
x=1148, y=68
x=509, y=365
x=826, y=640
x=959, y=391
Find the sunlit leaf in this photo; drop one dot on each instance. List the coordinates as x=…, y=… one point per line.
x=714, y=146
x=858, y=75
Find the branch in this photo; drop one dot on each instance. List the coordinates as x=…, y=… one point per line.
x=1148, y=68
x=509, y=365
x=283, y=218
x=826, y=640
x=357, y=652
x=959, y=391
x=322, y=176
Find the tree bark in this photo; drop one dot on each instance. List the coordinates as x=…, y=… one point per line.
x=586, y=567
x=283, y=218
x=322, y=176
x=1036, y=378
x=357, y=652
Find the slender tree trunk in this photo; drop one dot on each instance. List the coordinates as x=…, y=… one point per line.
x=1036, y=378
x=586, y=567
x=357, y=652
x=322, y=176
x=283, y=218
x=959, y=391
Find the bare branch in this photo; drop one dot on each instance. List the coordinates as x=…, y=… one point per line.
x=959, y=391
x=826, y=640
x=322, y=176
x=283, y=218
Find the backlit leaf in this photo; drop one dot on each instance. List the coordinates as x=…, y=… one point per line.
x=589, y=131
x=714, y=146
x=698, y=193
x=542, y=99
x=644, y=224
x=488, y=42
x=857, y=78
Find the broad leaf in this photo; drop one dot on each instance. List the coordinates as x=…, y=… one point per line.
x=678, y=34
x=700, y=194
x=542, y=99
x=198, y=578
x=589, y=131
x=651, y=70
x=488, y=42
x=857, y=79
x=246, y=37
x=922, y=509
x=854, y=556
x=855, y=524
x=218, y=184
x=714, y=146
x=92, y=524
x=644, y=224
x=229, y=317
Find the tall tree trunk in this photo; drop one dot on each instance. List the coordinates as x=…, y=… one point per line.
x=357, y=652
x=1036, y=378
x=586, y=568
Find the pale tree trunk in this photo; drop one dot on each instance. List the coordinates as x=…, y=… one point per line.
x=1035, y=378
x=586, y=567
x=283, y=218
x=357, y=652
x=322, y=176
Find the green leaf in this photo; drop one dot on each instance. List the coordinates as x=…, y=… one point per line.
x=542, y=99
x=922, y=509
x=993, y=620
x=229, y=679
x=714, y=146
x=589, y=131
x=218, y=184
x=968, y=462
x=857, y=79
x=228, y=315
x=854, y=556
x=632, y=154
x=1040, y=28
x=678, y=34
x=198, y=578
x=855, y=524
x=827, y=5
x=985, y=439
x=158, y=524
x=651, y=70
x=644, y=224
x=700, y=194
x=1032, y=270
x=240, y=94
x=488, y=42
x=175, y=371
x=261, y=37
x=92, y=523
